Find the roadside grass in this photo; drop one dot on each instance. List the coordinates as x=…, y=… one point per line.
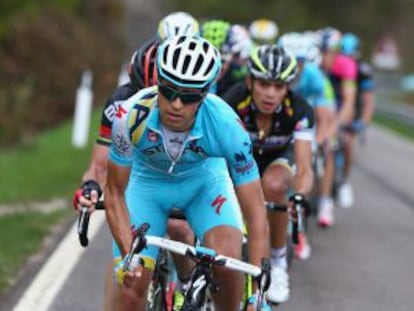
x=21, y=235
x=49, y=168
x=399, y=128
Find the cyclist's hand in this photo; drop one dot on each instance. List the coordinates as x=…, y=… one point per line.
x=88, y=195
x=359, y=125
x=297, y=199
x=251, y=304
x=127, y=275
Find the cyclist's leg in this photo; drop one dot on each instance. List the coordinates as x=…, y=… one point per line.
x=276, y=180
x=326, y=203
x=180, y=230
x=215, y=216
x=345, y=191
x=109, y=301
x=143, y=207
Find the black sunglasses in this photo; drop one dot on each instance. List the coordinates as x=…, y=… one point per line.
x=186, y=97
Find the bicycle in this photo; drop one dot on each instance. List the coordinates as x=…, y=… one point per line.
x=200, y=281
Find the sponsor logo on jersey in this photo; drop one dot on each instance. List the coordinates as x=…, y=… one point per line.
x=120, y=112
x=152, y=136
x=302, y=124
x=240, y=157
x=244, y=168
x=111, y=111
x=122, y=145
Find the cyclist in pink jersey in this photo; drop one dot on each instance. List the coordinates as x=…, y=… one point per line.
x=342, y=71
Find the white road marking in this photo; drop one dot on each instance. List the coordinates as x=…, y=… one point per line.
x=54, y=273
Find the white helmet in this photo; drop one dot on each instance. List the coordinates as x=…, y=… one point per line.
x=178, y=24
x=239, y=41
x=300, y=45
x=263, y=31
x=189, y=62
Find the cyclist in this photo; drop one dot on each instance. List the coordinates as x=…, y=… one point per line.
x=364, y=106
x=176, y=24
x=142, y=73
x=315, y=87
x=263, y=31
x=217, y=32
x=342, y=71
x=350, y=45
x=280, y=125
x=168, y=143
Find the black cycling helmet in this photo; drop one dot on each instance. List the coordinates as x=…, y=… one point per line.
x=142, y=67
x=270, y=62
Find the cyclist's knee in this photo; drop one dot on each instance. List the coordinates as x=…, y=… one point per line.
x=275, y=189
x=225, y=240
x=179, y=230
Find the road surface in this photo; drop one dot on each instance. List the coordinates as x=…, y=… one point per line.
x=363, y=263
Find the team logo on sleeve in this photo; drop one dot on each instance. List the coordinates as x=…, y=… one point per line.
x=122, y=145
x=120, y=112
x=302, y=124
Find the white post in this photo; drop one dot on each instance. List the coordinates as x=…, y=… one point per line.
x=123, y=75
x=83, y=109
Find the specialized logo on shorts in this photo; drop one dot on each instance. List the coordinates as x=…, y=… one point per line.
x=218, y=202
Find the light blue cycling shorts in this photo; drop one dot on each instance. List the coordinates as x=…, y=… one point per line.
x=207, y=198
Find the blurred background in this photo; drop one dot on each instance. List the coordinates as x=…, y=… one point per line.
x=45, y=46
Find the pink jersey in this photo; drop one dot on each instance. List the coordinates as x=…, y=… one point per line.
x=344, y=68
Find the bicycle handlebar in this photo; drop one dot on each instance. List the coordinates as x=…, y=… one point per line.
x=198, y=253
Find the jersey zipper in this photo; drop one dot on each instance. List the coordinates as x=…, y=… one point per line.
x=174, y=162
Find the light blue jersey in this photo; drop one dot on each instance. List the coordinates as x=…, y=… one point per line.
x=313, y=85
x=197, y=180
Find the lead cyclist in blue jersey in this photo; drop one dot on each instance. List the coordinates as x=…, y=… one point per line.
x=169, y=143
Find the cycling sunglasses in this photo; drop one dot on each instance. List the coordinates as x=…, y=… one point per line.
x=186, y=97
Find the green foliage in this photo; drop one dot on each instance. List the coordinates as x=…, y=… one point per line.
x=49, y=168
x=395, y=126
x=10, y=8
x=20, y=236
x=41, y=60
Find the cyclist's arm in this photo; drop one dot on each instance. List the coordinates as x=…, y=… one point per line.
x=303, y=137
x=324, y=119
x=303, y=179
x=346, y=113
x=236, y=148
x=367, y=106
x=119, y=167
x=116, y=210
x=98, y=165
x=252, y=203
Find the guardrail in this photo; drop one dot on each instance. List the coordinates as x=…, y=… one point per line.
x=387, y=107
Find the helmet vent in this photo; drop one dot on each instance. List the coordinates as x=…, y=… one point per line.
x=187, y=61
x=176, y=55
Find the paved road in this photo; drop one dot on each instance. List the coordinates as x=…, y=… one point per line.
x=363, y=263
